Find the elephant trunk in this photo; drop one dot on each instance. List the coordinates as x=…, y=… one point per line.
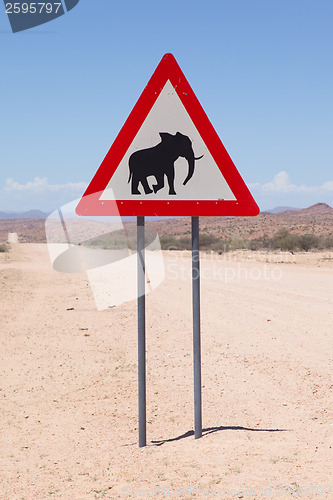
x=191, y=160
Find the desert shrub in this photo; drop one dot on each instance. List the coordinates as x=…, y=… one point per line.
x=122, y=239
x=185, y=243
x=283, y=240
x=3, y=247
x=220, y=247
x=112, y=242
x=266, y=242
x=207, y=240
x=289, y=242
x=260, y=243
x=308, y=241
x=255, y=245
x=238, y=243
x=327, y=242
x=169, y=243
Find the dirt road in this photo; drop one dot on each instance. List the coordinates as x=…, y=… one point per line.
x=68, y=382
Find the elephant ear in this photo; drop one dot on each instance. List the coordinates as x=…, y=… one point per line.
x=166, y=137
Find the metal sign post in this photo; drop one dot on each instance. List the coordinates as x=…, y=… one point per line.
x=196, y=328
x=141, y=329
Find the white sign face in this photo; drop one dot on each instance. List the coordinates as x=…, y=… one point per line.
x=168, y=116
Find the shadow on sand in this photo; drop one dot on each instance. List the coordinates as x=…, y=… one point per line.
x=210, y=430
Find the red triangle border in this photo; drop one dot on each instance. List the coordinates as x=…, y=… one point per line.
x=91, y=205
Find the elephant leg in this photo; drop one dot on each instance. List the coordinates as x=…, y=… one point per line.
x=160, y=182
x=171, y=181
x=135, y=184
x=146, y=187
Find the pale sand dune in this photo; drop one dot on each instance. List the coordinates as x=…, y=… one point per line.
x=68, y=384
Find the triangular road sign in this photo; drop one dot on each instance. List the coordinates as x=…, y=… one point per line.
x=167, y=159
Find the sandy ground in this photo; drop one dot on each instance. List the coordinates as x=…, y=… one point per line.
x=68, y=383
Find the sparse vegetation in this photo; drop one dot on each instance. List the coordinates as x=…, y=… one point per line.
x=4, y=247
x=282, y=240
x=122, y=239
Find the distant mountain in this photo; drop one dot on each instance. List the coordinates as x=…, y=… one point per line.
x=317, y=209
x=30, y=214
x=277, y=210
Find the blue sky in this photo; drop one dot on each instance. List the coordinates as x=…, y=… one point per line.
x=262, y=71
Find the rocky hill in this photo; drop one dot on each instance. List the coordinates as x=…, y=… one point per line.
x=317, y=219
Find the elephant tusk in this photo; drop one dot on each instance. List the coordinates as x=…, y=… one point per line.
x=199, y=157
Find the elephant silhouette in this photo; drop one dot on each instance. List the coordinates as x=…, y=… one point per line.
x=159, y=161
